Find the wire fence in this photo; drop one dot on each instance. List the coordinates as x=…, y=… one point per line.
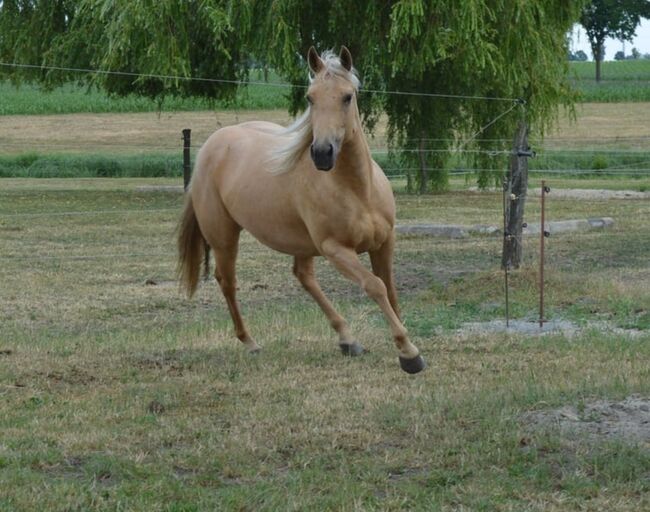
x=143, y=159
x=178, y=78
x=550, y=154
x=456, y=147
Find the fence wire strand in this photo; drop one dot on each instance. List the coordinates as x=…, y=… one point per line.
x=241, y=82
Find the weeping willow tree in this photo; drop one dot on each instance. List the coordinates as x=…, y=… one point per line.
x=155, y=47
x=476, y=48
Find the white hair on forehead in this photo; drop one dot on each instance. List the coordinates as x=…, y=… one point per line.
x=333, y=65
x=299, y=136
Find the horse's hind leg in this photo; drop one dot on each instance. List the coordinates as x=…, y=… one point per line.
x=225, y=247
x=382, y=266
x=303, y=269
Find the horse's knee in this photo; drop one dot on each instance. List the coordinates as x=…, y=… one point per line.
x=375, y=288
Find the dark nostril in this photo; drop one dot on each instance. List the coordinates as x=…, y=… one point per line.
x=330, y=151
x=313, y=151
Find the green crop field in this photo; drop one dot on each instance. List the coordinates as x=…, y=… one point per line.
x=31, y=99
x=623, y=70
x=627, y=80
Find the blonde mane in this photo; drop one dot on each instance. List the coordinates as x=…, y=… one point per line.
x=298, y=136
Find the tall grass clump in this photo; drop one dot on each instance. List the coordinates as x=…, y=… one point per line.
x=34, y=165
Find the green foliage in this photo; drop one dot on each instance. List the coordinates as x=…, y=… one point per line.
x=442, y=47
x=140, y=39
x=28, y=29
x=486, y=48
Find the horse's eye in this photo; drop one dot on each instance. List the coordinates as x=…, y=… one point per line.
x=309, y=99
x=347, y=99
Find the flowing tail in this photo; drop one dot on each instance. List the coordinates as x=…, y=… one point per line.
x=192, y=248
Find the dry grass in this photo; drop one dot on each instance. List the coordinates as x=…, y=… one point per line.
x=118, y=393
x=596, y=122
x=136, y=133
x=118, y=133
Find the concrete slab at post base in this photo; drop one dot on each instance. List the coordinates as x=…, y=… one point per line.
x=437, y=230
x=460, y=231
x=564, y=226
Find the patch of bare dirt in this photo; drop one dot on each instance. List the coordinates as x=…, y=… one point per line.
x=627, y=420
x=74, y=376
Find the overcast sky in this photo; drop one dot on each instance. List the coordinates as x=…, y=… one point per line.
x=641, y=42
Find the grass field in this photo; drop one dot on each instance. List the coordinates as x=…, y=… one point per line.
x=119, y=394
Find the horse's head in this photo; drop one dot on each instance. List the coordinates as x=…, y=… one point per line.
x=332, y=102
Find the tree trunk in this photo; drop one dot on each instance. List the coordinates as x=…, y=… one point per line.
x=598, y=57
x=423, y=165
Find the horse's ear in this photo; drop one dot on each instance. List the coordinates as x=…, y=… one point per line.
x=346, y=58
x=315, y=62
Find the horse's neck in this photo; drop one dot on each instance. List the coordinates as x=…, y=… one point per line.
x=355, y=162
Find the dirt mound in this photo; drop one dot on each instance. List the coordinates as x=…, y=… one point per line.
x=627, y=420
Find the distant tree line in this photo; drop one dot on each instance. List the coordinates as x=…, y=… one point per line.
x=634, y=55
x=578, y=56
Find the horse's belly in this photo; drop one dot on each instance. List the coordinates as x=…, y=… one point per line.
x=271, y=220
x=289, y=241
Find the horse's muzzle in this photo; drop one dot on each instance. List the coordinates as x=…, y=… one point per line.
x=323, y=156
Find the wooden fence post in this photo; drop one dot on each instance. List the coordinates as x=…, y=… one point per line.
x=187, y=167
x=515, y=190
x=187, y=174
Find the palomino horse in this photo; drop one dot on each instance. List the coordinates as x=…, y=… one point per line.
x=308, y=190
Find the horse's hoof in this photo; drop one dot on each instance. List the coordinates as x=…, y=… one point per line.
x=352, y=349
x=413, y=365
x=255, y=351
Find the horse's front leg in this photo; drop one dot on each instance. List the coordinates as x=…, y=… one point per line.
x=303, y=269
x=347, y=262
